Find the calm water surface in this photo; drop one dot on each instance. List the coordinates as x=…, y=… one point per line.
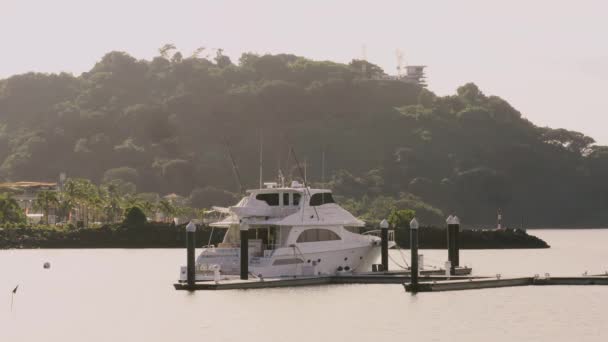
x=120, y=295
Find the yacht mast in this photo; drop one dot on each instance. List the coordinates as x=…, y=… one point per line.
x=235, y=168
x=305, y=180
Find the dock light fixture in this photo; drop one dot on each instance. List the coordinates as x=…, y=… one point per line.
x=452, y=220
x=384, y=224
x=414, y=223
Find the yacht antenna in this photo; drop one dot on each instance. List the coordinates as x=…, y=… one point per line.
x=323, y=172
x=323, y=167
x=287, y=169
x=281, y=179
x=261, y=154
x=295, y=158
x=235, y=168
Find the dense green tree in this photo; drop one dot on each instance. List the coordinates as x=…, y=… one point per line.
x=135, y=217
x=161, y=126
x=10, y=212
x=401, y=218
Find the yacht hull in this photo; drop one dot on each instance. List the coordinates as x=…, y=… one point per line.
x=290, y=262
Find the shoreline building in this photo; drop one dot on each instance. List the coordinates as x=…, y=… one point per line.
x=25, y=194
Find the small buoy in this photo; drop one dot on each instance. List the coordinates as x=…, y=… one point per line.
x=47, y=265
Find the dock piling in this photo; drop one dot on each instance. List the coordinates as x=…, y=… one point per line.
x=453, y=237
x=414, y=252
x=244, y=227
x=384, y=244
x=191, y=247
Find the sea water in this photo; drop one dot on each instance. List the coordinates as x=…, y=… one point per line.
x=127, y=295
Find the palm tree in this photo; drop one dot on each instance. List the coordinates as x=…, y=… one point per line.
x=167, y=209
x=46, y=200
x=83, y=194
x=112, y=202
x=147, y=207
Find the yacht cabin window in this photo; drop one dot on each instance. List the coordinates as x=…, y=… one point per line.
x=270, y=199
x=296, y=199
x=285, y=198
x=316, y=235
x=321, y=198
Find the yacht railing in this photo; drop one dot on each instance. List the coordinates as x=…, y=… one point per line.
x=377, y=232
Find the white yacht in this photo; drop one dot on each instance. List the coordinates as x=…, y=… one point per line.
x=293, y=231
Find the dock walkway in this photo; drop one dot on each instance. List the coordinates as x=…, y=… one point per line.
x=389, y=277
x=484, y=283
x=430, y=281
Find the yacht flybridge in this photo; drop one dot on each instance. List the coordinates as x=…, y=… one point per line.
x=292, y=231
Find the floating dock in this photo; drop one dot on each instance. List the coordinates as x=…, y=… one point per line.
x=430, y=281
x=485, y=283
x=389, y=277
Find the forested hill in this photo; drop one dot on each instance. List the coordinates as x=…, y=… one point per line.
x=164, y=125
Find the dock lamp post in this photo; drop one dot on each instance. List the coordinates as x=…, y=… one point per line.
x=191, y=246
x=384, y=244
x=414, y=251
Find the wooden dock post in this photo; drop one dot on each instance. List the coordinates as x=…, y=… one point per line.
x=191, y=248
x=244, y=228
x=457, y=243
x=414, y=257
x=453, y=232
x=384, y=244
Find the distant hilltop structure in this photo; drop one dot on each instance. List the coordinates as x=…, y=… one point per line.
x=413, y=74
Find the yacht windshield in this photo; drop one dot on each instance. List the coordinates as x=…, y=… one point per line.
x=320, y=199
x=271, y=199
x=316, y=235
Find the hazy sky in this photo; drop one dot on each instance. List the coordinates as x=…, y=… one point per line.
x=549, y=59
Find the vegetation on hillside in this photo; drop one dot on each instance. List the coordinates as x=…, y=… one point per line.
x=164, y=125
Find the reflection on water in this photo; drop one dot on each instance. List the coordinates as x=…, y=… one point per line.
x=104, y=295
